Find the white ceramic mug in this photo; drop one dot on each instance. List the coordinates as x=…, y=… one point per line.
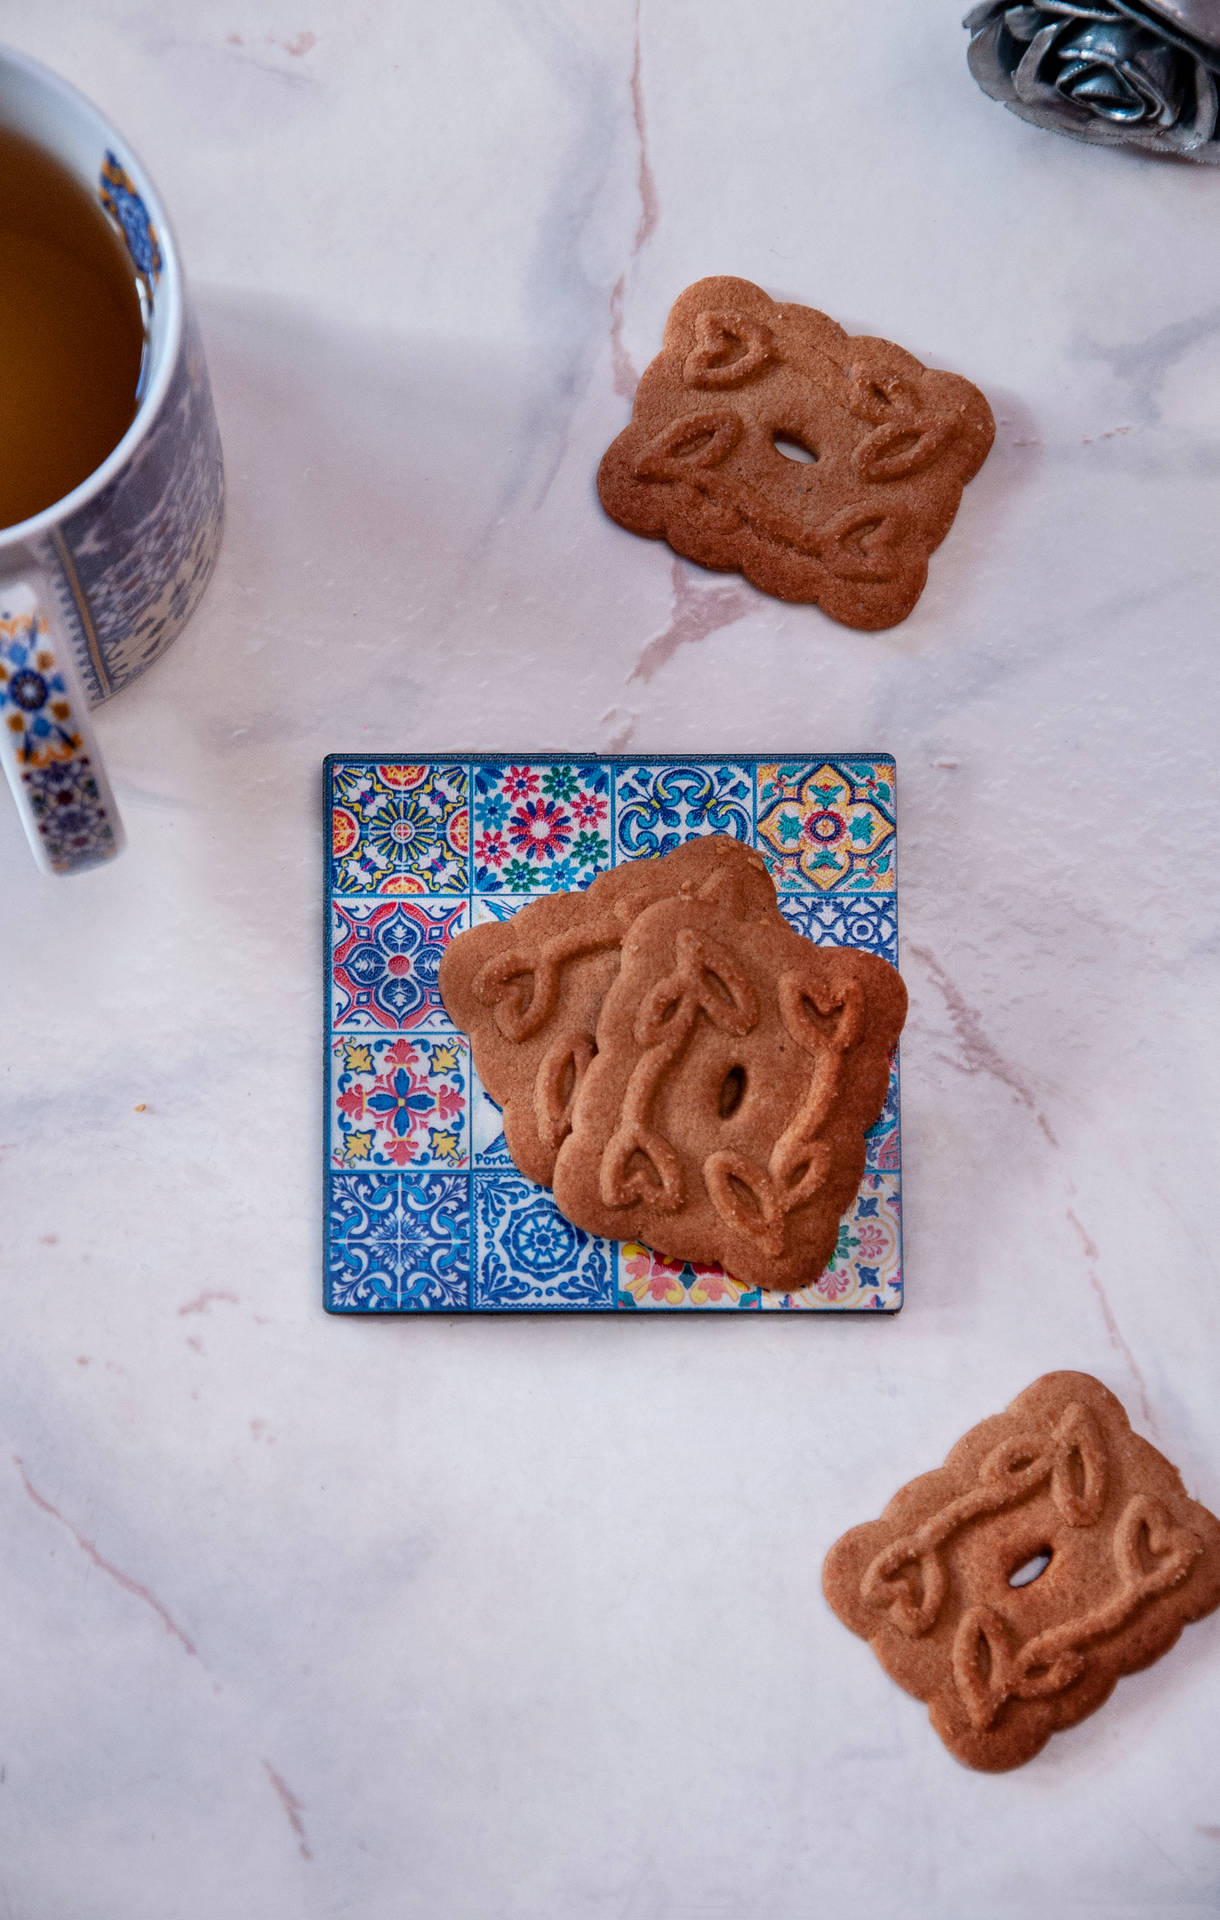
x=96, y=586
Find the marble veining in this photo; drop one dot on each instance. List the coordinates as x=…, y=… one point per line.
x=306, y=1618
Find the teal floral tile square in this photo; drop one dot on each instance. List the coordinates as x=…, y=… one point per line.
x=828, y=826
x=541, y=828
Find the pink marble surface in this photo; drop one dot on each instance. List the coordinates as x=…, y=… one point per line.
x=441, y=1621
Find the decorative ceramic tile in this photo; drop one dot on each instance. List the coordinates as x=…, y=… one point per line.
x=540, y=827
x=400, y=827
x=488, y=1147
x=845, y=920
x=881, y=1140
x=385, y=957
x=865, y=1269
x=528, y=1255
x=646, y=1279
x=828, y=825
x=397, y=1241
x=424, y=1207
x=400, y=1103
x=659, y=806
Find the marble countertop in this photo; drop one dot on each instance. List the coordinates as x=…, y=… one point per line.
x=304, y=1618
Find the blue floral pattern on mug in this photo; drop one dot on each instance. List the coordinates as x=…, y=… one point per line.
x=34, y=704
x=42, y=739
x=72, y=820
x=118, y=195
x=131, y=565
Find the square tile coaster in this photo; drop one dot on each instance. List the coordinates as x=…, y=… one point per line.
x=424, y=1209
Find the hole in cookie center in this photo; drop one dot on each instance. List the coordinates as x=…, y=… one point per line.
x=1031, y=1569
x=792, y=448
x=732, y=1092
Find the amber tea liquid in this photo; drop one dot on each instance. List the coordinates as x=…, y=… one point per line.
x=71, y=331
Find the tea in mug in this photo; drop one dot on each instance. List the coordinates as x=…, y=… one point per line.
x=71, y=331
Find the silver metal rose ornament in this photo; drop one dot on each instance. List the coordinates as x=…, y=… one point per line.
x=1117, y=72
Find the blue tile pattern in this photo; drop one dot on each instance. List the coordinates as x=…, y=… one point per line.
x=659, y=806
x=385, y=956
x=400, y=827
x=398, y=1241
x=528, y=1255
x=424, y=1207
x=845, y=920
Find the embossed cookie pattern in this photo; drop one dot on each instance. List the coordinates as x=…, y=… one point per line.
x=883, y=447
x=1059, y=1484
x=738, y=1068
x=686, y=1070
x=529, y=990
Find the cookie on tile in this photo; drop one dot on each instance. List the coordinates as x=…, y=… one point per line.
x=529, y=990
x=823, y=466
x=737, y=1069
x=1057, y=1482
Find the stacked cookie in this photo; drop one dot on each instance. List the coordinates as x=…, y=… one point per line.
x=678, y=1064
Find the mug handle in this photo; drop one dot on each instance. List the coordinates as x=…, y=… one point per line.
x=47, y=746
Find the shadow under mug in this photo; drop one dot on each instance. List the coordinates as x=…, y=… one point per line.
x=94, y=588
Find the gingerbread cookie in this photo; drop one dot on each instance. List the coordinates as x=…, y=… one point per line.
x=823, y=466
x=1061, y=1481
x=738, y=1068
x=528, y=990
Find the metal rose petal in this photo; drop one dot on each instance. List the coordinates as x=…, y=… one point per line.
x=1142, y=73
x=1122, y=73
x=983, y=57
x=1197, y=20
x=1030, y=80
